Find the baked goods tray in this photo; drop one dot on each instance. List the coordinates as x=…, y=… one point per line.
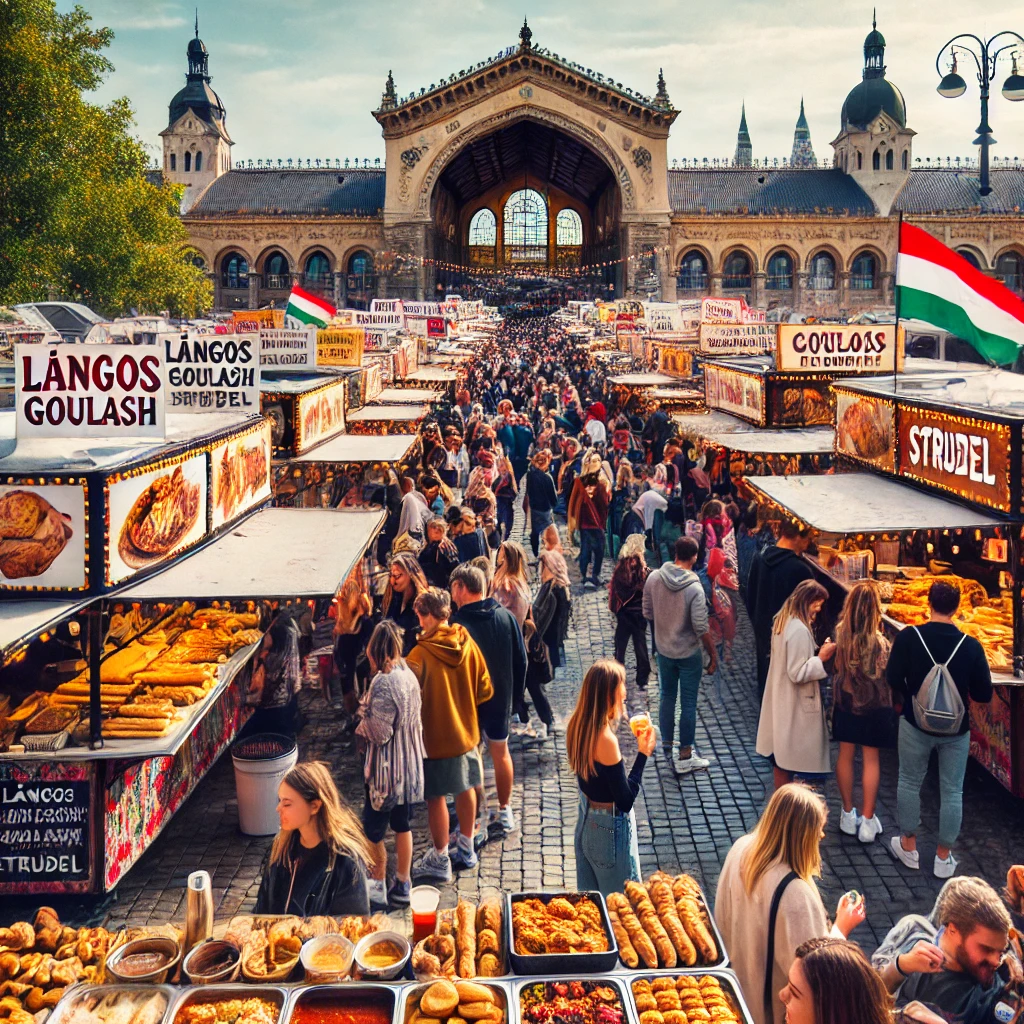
x=529, y=964
x=409, y=996
x=76, y=994
x=726, y=978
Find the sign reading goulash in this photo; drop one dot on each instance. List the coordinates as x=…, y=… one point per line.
x=280, y=347
x=213, y=372
x=837, y=348
x=89, y=391
x=340, y=346
x=967, y=457
x=737, y=339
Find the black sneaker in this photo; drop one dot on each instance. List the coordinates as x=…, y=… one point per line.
x=398, y=894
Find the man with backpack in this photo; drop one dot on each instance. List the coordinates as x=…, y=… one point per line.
x=935, y=671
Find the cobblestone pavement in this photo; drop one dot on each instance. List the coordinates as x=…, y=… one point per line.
x=686, y=824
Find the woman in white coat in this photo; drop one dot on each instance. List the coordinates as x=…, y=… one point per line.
x=792, y=730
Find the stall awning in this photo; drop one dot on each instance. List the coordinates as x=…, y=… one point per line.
x=20, y=621
x=846, y=503
x=403, y=413
x=433, y=375
x=642, y=380
x=676, y=395
x=278, y=552
x=361, y=448
x=698, y=424
x=407, y=396
x=805, y=441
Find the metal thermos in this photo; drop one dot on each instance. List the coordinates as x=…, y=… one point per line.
x=198, y=909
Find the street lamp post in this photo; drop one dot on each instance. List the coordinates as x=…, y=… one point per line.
x=952, y=85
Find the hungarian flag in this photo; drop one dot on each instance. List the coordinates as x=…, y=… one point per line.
x=935, y=284
x=308, y=308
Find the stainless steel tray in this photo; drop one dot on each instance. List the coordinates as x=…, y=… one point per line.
x=618, y=982
x=345, y=990
x=549, y=964
x=77, y=993
x=726, y=978
x=193, y=994
x=410, y=993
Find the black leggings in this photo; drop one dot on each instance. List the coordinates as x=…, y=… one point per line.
x=540, y=701
x=633, y=627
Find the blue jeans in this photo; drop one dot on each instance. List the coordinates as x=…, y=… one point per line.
x=915, y=748
x=679, y=676
x=591, y=547
x=506, y=514
x=607, y=852
x=539, y=522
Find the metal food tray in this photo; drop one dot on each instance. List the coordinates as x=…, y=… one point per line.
x=528, y=964
x=727, y=979
x=77, y=993
x=235, y=990
x=618, y=982
x=410, y=993
x=348, y=989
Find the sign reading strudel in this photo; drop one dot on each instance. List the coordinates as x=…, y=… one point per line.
x=836, y=348
x=965, y=456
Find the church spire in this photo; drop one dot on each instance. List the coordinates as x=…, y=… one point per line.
x=874, y=51
x=198, y=58
x=525, y=36
x=661, y=98
x=744, y=150
x=803, y=151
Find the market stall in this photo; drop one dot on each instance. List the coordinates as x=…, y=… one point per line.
x=678, y=399
x=408, y=396
x=308, y=408
x=632, y=391
x=387, y=419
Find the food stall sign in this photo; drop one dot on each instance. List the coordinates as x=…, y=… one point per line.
x=89, y=391
x=320, y=414
x=245, y=321
x=422, y=309
x=294, y=349
x=962, y=455
x=865, y=429
x=44, y=541
x=340, y=346
x=836, y=348
x=436, y=327
x=674, y=360
x=722, y=311
x=737, y=339
x=212, y=373
x=240, y=474
x=154, y=513
x=732, y=391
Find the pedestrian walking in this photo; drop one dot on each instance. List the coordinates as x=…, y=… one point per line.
x=625, y=602
x=541, y=497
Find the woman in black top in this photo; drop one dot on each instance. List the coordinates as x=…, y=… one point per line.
x=317, y=864
x=607, y=854
x=405, y=583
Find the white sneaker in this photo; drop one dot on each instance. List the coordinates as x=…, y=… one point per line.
x=377, y=891
x=869, y=829
x=848, y=821
x=944, y=868
x=506, y=819
x=691, y=764
x=908, y=858
x=542, y=731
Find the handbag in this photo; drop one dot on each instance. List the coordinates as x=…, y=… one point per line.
x=769, y=963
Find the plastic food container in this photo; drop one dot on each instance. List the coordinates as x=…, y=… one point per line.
x=560, y=963
x=157, y=945
x=382, y=973
x=343, y=951
x=201, y=964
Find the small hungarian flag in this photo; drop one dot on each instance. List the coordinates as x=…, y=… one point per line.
x=935, y=284
x=307, y=308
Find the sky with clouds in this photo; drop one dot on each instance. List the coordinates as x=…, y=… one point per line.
x=299, y=78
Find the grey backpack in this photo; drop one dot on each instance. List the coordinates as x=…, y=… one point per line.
x=938, y=707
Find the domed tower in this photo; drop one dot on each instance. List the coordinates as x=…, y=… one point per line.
x=874, y=142
x=197, y=147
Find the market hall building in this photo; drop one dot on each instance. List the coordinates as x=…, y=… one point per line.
x=531, y=164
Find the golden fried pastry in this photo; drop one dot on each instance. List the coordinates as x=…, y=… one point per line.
x=440, y=1000
x=489, y=966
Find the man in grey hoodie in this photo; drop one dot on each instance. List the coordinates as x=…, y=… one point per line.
x=674, y=602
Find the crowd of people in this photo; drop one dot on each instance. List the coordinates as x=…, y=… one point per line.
x=444, y=655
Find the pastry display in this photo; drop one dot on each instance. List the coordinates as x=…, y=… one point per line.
x=240, y=472
x=32, y=534
x=664, y=923
x=467, y=943
x=489, y=929
x=565, y=924
x=864, y=429
x=805, y=406
x=683, y=1000
x=462, y=1000
x=579, y=1002
x=159, y=520
x=229, y=1011
x=118, y=1007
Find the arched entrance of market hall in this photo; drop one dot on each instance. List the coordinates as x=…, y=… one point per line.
x=527, y=213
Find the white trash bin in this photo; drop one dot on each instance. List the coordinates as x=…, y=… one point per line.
x=261, y=762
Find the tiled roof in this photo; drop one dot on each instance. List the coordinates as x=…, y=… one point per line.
x=930, y=191
x=766, y=192
x=293, y=194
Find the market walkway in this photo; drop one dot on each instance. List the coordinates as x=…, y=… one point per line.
x=684, y=824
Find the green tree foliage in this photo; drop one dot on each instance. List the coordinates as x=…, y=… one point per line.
x=77, y=216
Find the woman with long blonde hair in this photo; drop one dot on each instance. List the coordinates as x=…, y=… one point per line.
x=510, y=586
x=863, y=714
x=607, y=854
x=406, y=581
x=792, y=731
x=318, y=860
x=777, y=864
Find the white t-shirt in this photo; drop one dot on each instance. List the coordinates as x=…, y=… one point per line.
x=597, y=432
x=647, y=504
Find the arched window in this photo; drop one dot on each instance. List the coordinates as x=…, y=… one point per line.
x=780, y=272
x=1010, y=267
x=483, y=228
x=736, y=271
x=864, y=273
x=174, y=162
x=889, y=160
x=860, y=161
x=823, y=272
x=318, y=272
x=568, y=228
x=199, y=162
x=876, y=160
x=526, y=227
x=361, y=282
x=970, y=257
x=905, y=159
x=188, y=162
x=234, y=271
x=693, y=272
x=276, y=273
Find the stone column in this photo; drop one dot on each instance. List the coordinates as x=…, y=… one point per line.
x=254, y=289
x=339, y=289
x=844, y=289
x=800, y=292
x=757, y=289
x=888, y=279
x=716, y=282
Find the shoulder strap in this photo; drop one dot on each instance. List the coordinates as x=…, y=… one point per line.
x=925, y=646
x=955, y=649
x=769, y=964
